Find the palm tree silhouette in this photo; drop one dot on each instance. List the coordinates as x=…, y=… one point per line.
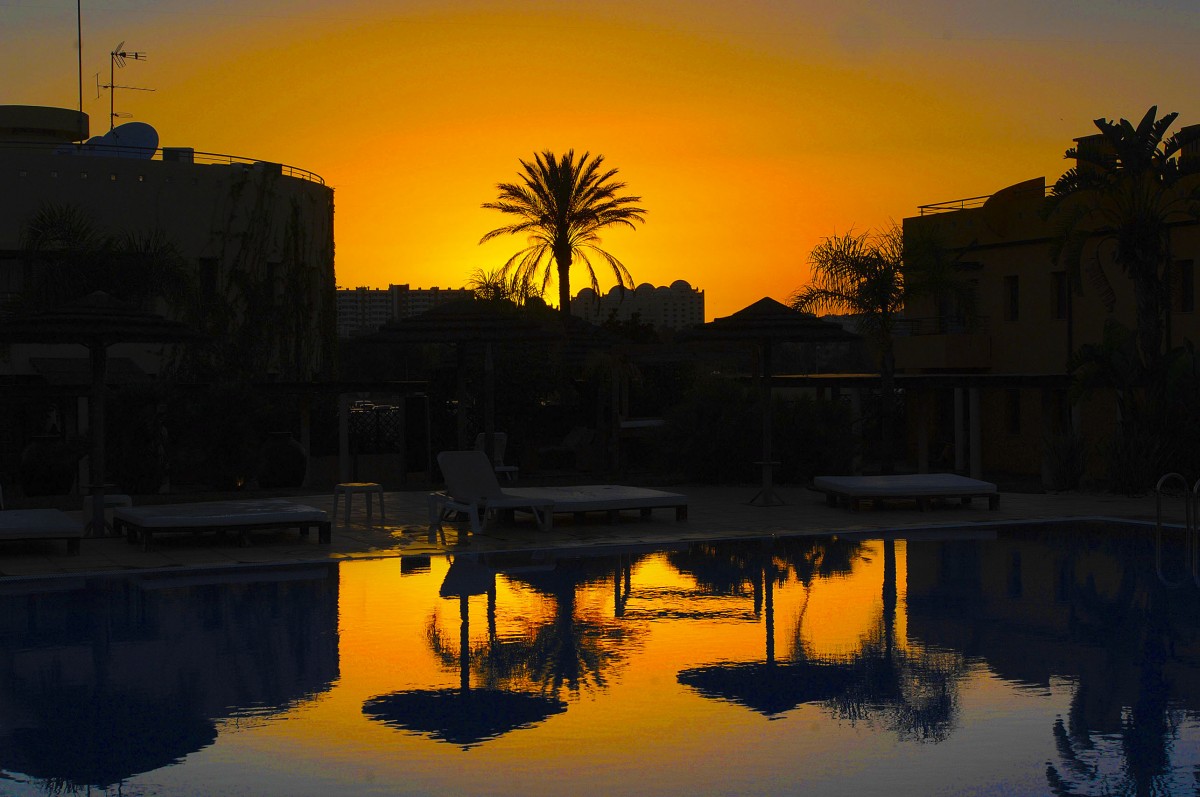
x=863, y=273
x=1126, y=191
x=561, y=205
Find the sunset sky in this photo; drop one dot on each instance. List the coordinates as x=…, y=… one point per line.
x=749, y=129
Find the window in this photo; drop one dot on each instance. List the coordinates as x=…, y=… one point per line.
x=1058, y=294
x=1012, y=298
x=1183, y=287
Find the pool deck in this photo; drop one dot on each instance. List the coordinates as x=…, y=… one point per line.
x=714, y=512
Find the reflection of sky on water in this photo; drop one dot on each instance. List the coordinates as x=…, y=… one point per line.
x=1011, y=665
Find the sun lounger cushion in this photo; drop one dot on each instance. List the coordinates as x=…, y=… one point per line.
x=239, y=516
x=920, y=487
x=604, y=498
x=40, y=524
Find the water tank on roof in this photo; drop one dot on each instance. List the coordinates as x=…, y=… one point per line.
x=38, y=124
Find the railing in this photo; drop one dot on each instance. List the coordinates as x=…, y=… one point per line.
x=1191, y=528
x=941, y=325
x=963, y=204
x=169, y=154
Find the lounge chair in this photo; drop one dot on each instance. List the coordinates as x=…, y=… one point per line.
x=499, y=444
x=920, y=487
x=40, y=524
x=240, y=517
x=471, y=487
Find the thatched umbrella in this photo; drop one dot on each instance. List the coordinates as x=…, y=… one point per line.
x=96, y=321
x=764, y=324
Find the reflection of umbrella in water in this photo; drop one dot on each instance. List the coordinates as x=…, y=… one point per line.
x=464, y=716
x=96, y=321
x=913, y=694
x=765, y=323
x=104, y=741
x=769, y=687
x=465, y=323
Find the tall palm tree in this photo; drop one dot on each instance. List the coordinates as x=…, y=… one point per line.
x=561, y=205
x=863, y=274
x=1126, y=191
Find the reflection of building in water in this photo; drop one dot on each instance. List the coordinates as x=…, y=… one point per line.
x=664, y=307
x=1052, y=603
x=103, y=679
x=364, y=310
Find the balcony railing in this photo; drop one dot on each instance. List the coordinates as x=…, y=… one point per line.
x=170, y=154
x=942, y=325
x=963, y=204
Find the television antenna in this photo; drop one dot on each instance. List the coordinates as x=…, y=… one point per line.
x=117, y=59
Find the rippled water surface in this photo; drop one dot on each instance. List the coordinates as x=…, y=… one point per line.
x=1033, y=660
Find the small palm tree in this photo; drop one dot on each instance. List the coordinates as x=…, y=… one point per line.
x=561, y=205
x=863, y=274
x=1126, y=192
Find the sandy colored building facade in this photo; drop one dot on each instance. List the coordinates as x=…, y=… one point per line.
x=1000, y=373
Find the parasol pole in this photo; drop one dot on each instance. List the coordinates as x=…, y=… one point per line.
x=99, y=356
x=767, y=495
x=489, y=403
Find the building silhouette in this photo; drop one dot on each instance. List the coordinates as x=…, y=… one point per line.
x=256, y=237
x=672, y=307
x=364, y=310
x=989, y=390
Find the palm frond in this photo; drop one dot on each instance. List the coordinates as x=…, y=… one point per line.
x=562, y=203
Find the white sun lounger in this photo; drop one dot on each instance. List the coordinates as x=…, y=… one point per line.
x=610, y=498
x=220, y=516
x=471, y=487
x=920, y=487
x=40, y=524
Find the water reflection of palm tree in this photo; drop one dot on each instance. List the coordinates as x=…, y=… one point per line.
x=913, y=691
x=468, y=715
x=1135, y=630
x=577, y=649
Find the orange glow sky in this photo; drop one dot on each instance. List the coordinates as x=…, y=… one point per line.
x=750, y=129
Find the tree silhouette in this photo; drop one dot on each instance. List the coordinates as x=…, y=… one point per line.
x=561, y=205
x=863, y=274
x=1127, y=191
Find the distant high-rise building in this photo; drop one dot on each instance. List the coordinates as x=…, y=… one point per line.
x=364, y=310
x=675, y=307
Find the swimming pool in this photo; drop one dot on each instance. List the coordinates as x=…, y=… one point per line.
x=984, y=660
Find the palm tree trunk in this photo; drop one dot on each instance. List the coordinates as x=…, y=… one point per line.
x=563, y=259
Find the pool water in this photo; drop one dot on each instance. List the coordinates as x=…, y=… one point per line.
x=1054, y=659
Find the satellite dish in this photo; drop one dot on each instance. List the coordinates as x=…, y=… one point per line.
x=130, y=140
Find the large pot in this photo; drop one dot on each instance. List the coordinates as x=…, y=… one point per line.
x=283, y=462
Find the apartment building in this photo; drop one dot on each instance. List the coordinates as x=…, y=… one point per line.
x=361, y=311
x=992, y=386
x=672, y=307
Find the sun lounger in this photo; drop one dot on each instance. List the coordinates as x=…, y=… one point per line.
x=40, y=524
x=220, y=516
x=920, y=487
x=609, y=498
x=471, y=487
